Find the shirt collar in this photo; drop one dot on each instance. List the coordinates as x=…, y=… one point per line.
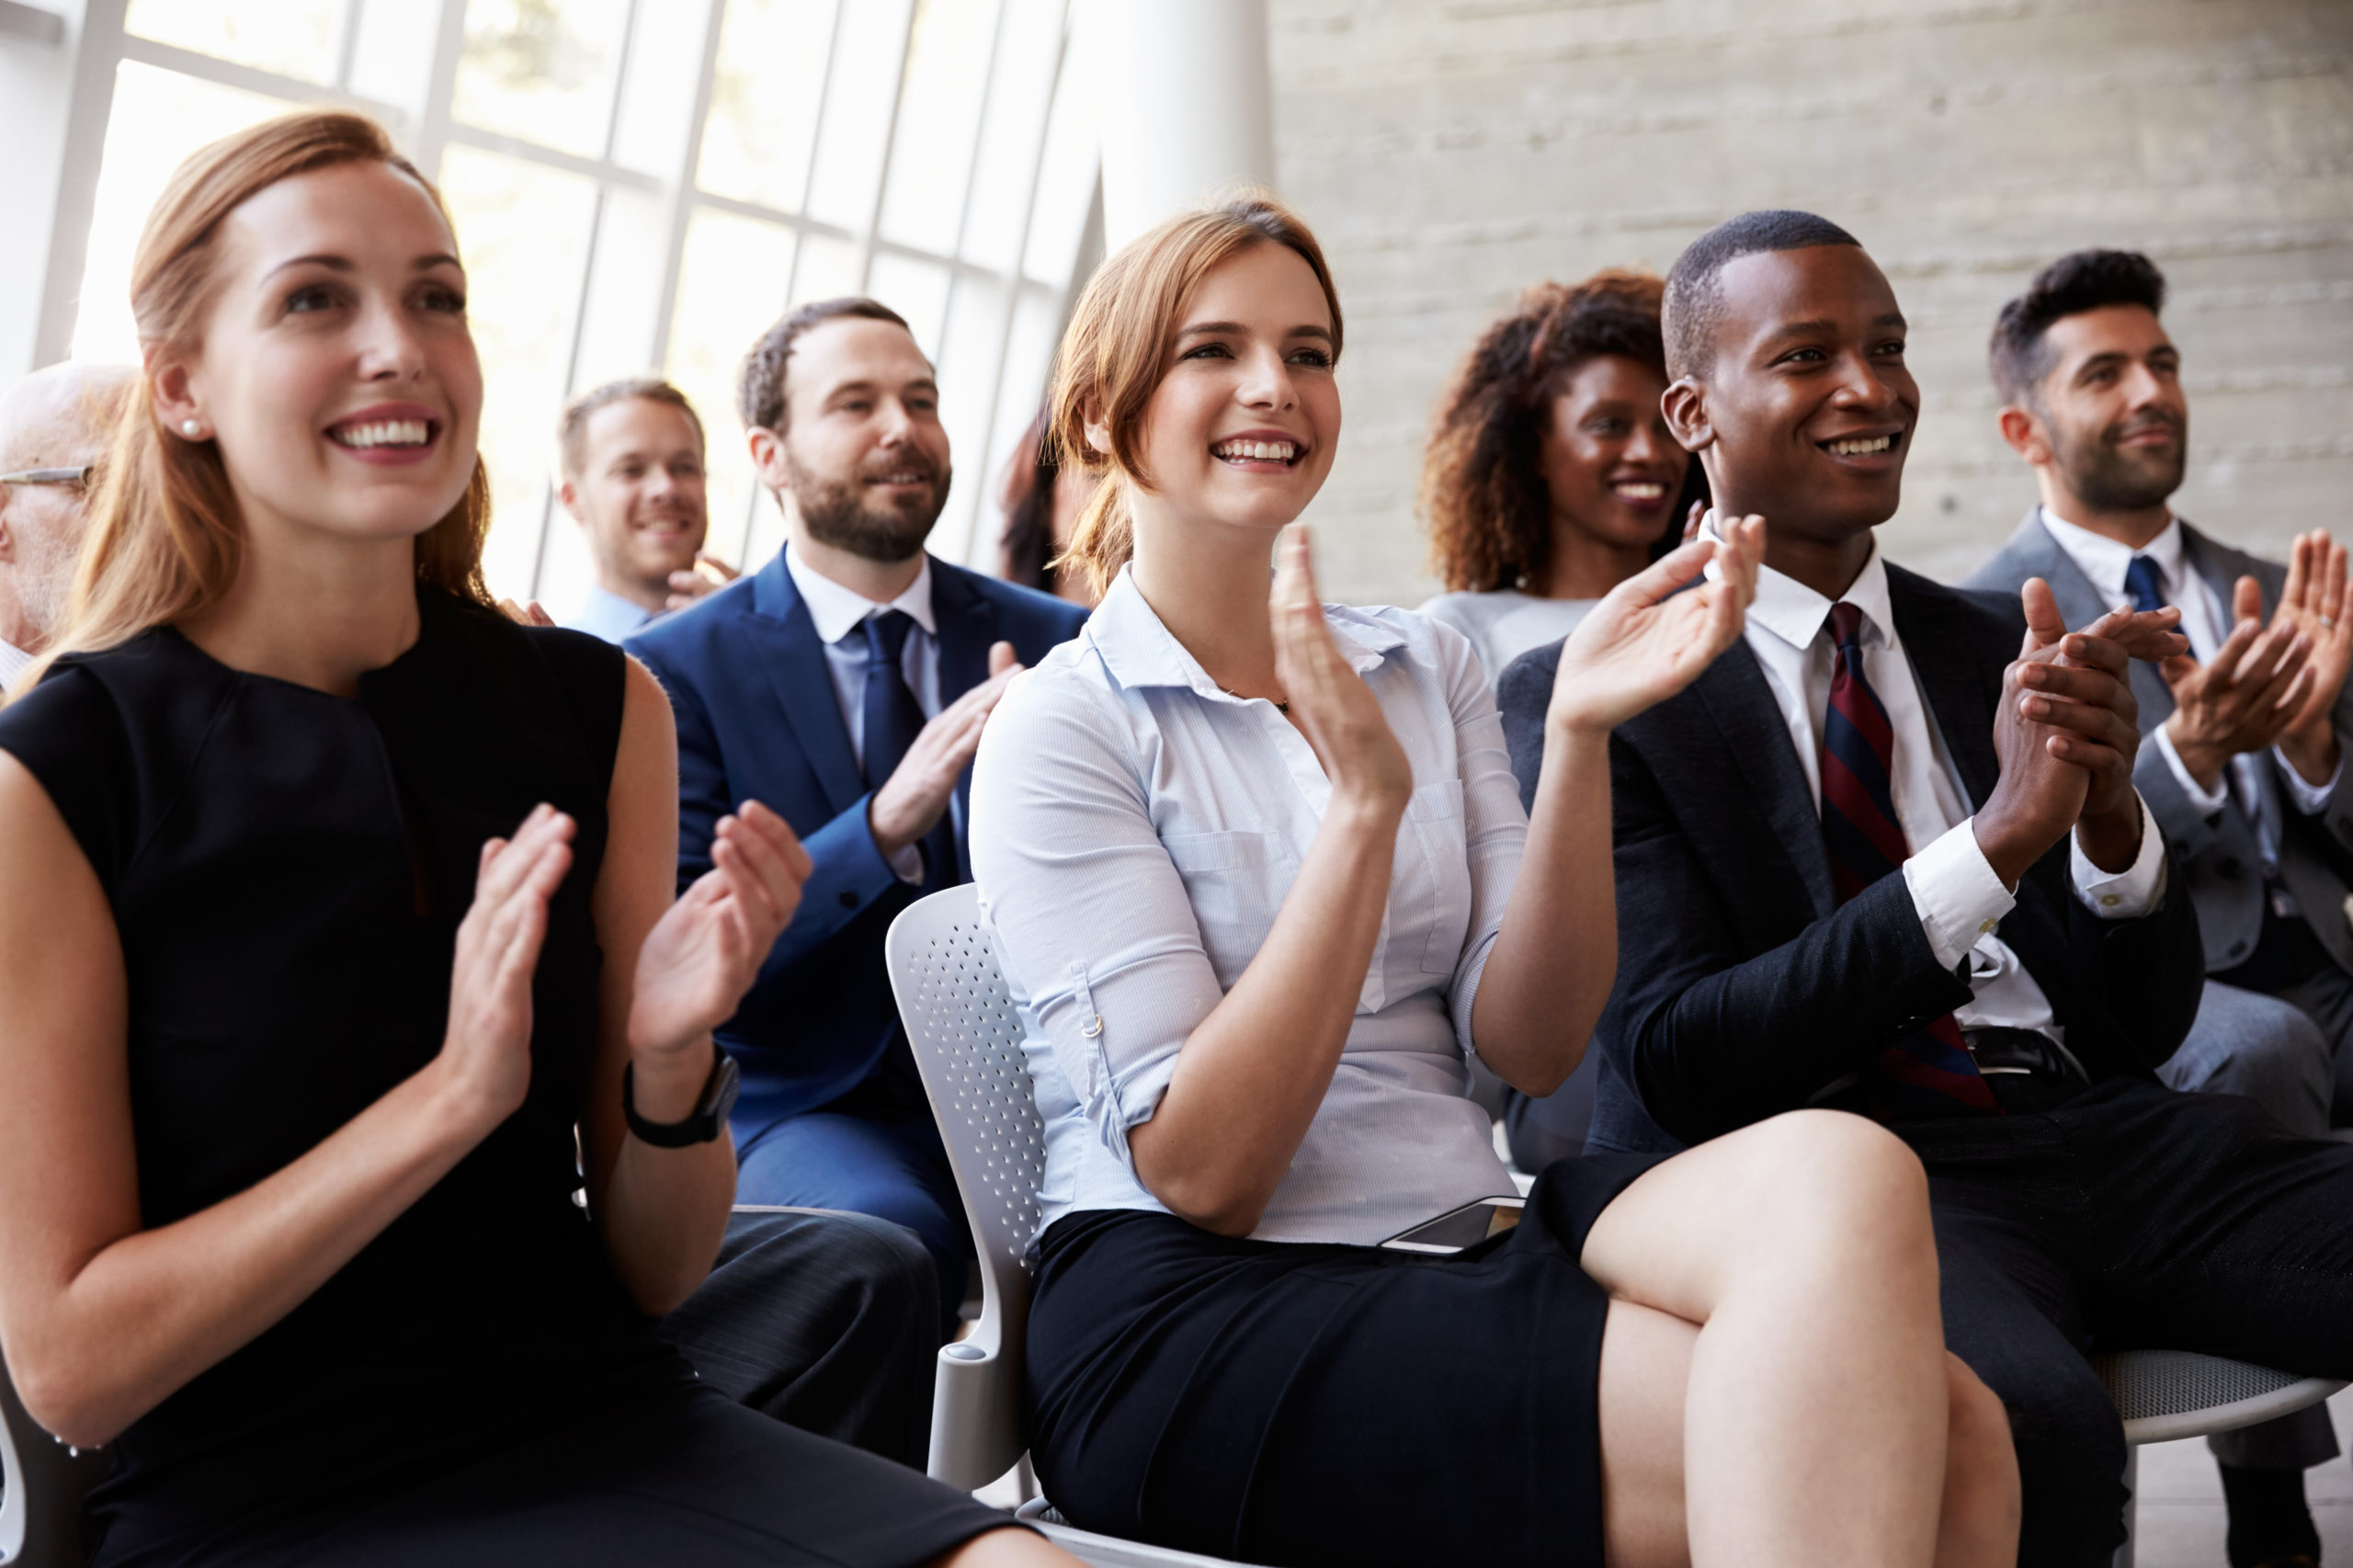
x=1139, y=650
x=2105, y=559
x=1795, y=613
x=13, y=660
x=837, y=611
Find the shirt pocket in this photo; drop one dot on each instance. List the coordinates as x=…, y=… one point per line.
x=1235, y=883
x=1432, y=888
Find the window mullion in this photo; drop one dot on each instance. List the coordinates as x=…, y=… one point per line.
x=681, y=205
x=890, y=148
x=440, y=87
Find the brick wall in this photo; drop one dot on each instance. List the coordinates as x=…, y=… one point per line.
x=1451, y=152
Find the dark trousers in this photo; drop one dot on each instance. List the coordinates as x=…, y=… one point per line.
x=2133, y=1217
x=827, y=1322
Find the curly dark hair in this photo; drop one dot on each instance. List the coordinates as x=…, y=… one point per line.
x=759, y=381
x=1483, y=495
x=2083, y=280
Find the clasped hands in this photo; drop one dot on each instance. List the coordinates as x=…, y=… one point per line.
x=2274, y=686
x=2065, y=734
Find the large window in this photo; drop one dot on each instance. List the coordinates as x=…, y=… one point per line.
x=647, y=184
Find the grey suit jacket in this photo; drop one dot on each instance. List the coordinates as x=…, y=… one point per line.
x=2218, y=858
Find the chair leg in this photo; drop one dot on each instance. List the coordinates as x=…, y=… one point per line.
x=2132, y=1505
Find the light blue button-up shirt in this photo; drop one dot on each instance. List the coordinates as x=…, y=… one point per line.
x=1135, y=831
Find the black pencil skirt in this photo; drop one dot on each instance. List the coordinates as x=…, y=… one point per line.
x=1301, y=1405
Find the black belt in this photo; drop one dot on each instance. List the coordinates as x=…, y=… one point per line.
x=2024, y=1069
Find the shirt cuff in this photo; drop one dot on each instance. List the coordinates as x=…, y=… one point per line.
x=1957, y=894
x=2309, y=799
x=2204, y=800
x=907, y=862
x=2127, y=895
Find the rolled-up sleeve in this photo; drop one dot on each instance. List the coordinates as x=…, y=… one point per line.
x=1495, y=825
x=1093, y=926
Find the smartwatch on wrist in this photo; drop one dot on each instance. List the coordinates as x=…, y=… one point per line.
x=703, y=1123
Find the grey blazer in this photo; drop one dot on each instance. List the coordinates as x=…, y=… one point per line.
x=2218, y=858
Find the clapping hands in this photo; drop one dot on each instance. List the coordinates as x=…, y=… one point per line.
x=1327, y=699
x=1648, y=641
x=704, y=953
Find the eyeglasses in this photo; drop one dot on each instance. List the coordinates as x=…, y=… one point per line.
x=80, y=477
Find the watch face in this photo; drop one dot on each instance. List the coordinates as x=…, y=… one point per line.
x=724, y=1091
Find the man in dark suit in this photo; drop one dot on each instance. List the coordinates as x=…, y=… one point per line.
x=1885, y=855
x=2244, y=740
x=844, y=684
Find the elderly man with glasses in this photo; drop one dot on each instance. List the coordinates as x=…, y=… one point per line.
x=53, y=427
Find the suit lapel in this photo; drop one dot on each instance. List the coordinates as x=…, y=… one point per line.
x=793, y=658
x=967, y=626
x=1955, y=682
x=1734, y=691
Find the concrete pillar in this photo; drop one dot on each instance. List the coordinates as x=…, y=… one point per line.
x=1185, y=101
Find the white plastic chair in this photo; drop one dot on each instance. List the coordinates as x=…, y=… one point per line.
x=967, y=1040
x=2168, y=1395
x=42, y=1484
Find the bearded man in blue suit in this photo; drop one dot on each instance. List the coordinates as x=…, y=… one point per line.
x=846, y=684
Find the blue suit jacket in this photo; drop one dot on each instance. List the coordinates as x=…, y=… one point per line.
x=757, y=719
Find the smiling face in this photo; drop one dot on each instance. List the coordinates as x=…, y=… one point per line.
x=1610, y=465
x=336, y=369
x=863, y=453
x=1806, y=412
x=2110, y=413
x=1239, y=430
x=639, y=494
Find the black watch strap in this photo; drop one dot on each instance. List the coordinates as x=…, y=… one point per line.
x=709, y=1117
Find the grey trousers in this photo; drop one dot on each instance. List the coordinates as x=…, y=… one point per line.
x=2267, y=1049
x=2327, y=998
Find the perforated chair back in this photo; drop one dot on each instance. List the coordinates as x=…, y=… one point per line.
x=966, y=1037
x=42, y=1484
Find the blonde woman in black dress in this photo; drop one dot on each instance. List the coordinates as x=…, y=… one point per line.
x=333, y=907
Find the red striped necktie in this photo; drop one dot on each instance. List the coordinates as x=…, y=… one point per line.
x=1928, y=1073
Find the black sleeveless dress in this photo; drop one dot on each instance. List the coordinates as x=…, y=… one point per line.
x=288, y=869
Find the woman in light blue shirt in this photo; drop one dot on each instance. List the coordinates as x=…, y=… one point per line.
x=1260, y=880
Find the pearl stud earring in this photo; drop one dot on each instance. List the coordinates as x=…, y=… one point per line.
x=191, y=429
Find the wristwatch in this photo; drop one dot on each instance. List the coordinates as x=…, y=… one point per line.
x=703, y=1123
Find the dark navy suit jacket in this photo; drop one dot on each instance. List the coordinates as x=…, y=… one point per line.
x=1744, y=988
x=757, y=719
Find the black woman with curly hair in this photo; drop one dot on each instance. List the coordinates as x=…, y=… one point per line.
x=1552, y=477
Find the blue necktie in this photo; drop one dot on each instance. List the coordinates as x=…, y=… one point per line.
x=894, y=718
x=2141, y=581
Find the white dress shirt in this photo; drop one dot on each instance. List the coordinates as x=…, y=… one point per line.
x=1506, y=623
x=606, y=614
x=1135, y=831
x=2206, y=621
x=1960, y=900
x=840, y=615
x=13, y=661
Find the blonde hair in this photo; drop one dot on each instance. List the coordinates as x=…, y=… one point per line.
x=1116, y=350
x=165, y=539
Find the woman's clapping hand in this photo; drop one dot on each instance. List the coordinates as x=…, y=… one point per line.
x=488, y=1048
x=704, y=953
x=1329, y=701
x=1647, y=641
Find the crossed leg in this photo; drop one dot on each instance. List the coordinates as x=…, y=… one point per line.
x=1774, y=1385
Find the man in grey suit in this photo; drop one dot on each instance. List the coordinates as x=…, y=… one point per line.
x=2247, y=738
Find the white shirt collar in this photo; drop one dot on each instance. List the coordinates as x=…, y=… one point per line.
x=13, y=661
x=837, y=611
x=1139, y=650
x=1795, y=613
x=2105, y=559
